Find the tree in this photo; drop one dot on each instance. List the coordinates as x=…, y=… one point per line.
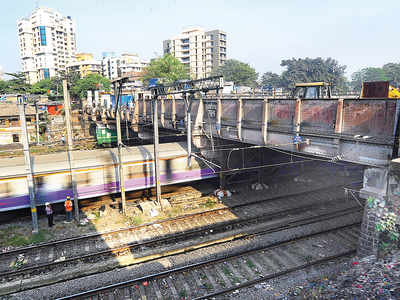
x=313, y=70
x=18, y=85
x=167, y=68
x=238, y=72
x=3, y=87
x=42, y=86
x=392, y=72
x=367, y=74
x=90, y=82
x=270, y=79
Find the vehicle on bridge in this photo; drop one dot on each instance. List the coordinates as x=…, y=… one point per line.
x=95, y=173
x=312, y=90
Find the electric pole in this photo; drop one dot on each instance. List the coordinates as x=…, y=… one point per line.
x=156, y=151
x=67, y=109
x=117, y=93
x=37, y=123
x=28, y=164
x=188, y=88
x=188, y=104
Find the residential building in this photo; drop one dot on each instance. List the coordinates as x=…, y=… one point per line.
x=201, y=51
x=47, y=44
x=85, y=64
x=114, y=66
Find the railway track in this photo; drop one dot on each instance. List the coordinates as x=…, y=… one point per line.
x=212, y=278
x=187, y=240
x=47, y=253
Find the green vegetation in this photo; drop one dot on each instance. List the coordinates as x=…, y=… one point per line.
x=238, y=72
x=209, y=203
x=90, y=82
x=328, y=70
x=53, y=86
x=16, y=237
x=250, y=264
x=136, y=220
x=167, y=68
x=306, y=70
x=182, y=294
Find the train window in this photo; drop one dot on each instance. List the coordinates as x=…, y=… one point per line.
x=67, y=181
x=39, y=182
x=82, y=178
x=5, y=189
x=135, y=171
x=109, y=174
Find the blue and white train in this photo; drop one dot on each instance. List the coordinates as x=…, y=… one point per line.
x=95, y=173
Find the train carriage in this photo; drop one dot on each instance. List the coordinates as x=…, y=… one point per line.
x=95, y=173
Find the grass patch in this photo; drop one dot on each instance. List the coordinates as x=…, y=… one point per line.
x=250, y=264
x=136, y=220
x=182, y=294
x=174, y=211
x=97, y=214
x=15, y=237
x=209, y=203
x=226, y=271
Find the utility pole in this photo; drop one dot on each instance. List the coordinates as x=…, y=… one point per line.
x=28, y=164
x=67, y=109
x=188, y=104
x=37, y=123
x=156, y=151
x=188, y=88
x=117, y=92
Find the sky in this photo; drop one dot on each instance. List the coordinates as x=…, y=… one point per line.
x=261, y=33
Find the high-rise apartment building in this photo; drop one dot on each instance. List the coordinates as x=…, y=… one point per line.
x=47, y=44
x=201, y=51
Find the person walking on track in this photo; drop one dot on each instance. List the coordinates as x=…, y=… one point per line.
x=68, y=209
x=49, y=213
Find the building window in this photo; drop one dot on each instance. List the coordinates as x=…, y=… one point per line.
x=43, y=41
x=46, y=73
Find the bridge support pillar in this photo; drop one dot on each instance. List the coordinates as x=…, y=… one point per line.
x=381, y=189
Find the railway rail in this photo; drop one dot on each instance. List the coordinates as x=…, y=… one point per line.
x=183, y=240
x=214, y=277
x=72, y=247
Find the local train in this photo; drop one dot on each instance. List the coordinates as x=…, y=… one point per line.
x=95, y=173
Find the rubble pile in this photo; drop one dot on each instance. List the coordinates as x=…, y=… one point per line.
x=366, y=278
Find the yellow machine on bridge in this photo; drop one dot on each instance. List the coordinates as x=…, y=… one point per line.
x=312, y=90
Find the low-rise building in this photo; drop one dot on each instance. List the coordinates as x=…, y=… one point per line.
x=10, y=127
x=85, y=64
x=116, y=66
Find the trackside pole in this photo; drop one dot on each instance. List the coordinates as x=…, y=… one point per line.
x=117, y=88
x=188, y=102
x=67, y=109
x=28, y=165
x=156, y=152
